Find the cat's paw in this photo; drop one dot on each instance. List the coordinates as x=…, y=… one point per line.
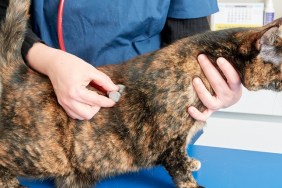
x=195, y=165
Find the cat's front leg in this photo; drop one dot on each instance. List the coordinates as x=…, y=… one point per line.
x=180, y=167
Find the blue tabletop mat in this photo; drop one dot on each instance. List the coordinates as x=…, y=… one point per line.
x=221, y=168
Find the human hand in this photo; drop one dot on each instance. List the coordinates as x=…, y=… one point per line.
x=226, y=93
x=69, y=76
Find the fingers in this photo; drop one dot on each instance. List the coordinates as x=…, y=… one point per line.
x=204, y=95
x=82, y=103
x=201, y=116
x=212, y=74
x=93, y=98
x=233, y=79
x=233, y=91
x=226, y=92
x=103, y=80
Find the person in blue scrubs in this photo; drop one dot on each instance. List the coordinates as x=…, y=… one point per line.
x=108, y=32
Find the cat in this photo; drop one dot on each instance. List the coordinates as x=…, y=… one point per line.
x=149, y=125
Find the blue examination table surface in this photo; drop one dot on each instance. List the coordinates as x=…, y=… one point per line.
x=221, y=168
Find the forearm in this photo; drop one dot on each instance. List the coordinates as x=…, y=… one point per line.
x=40, y=57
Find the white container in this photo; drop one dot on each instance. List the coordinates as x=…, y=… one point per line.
x=268, y=12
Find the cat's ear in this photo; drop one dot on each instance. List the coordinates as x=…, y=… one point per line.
x=268, y=38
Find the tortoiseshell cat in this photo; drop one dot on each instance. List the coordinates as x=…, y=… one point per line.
x=148, y=126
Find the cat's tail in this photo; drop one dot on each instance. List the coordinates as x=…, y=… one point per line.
x=12, y=31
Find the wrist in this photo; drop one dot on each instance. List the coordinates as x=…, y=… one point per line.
x=40, y=57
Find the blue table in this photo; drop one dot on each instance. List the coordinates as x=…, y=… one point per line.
x=221, y=168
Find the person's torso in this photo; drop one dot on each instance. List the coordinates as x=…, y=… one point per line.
x=103, y=32
x=110, y=32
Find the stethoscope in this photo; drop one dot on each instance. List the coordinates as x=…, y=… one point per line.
x=60, y=25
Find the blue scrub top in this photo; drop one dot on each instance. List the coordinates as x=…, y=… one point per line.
x=111, y=31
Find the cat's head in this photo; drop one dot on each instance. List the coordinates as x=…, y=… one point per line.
x=264, y=71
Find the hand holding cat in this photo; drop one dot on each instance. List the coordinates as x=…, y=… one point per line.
x=226, y=93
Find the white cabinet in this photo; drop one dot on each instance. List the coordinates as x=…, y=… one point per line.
x=254, y=123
